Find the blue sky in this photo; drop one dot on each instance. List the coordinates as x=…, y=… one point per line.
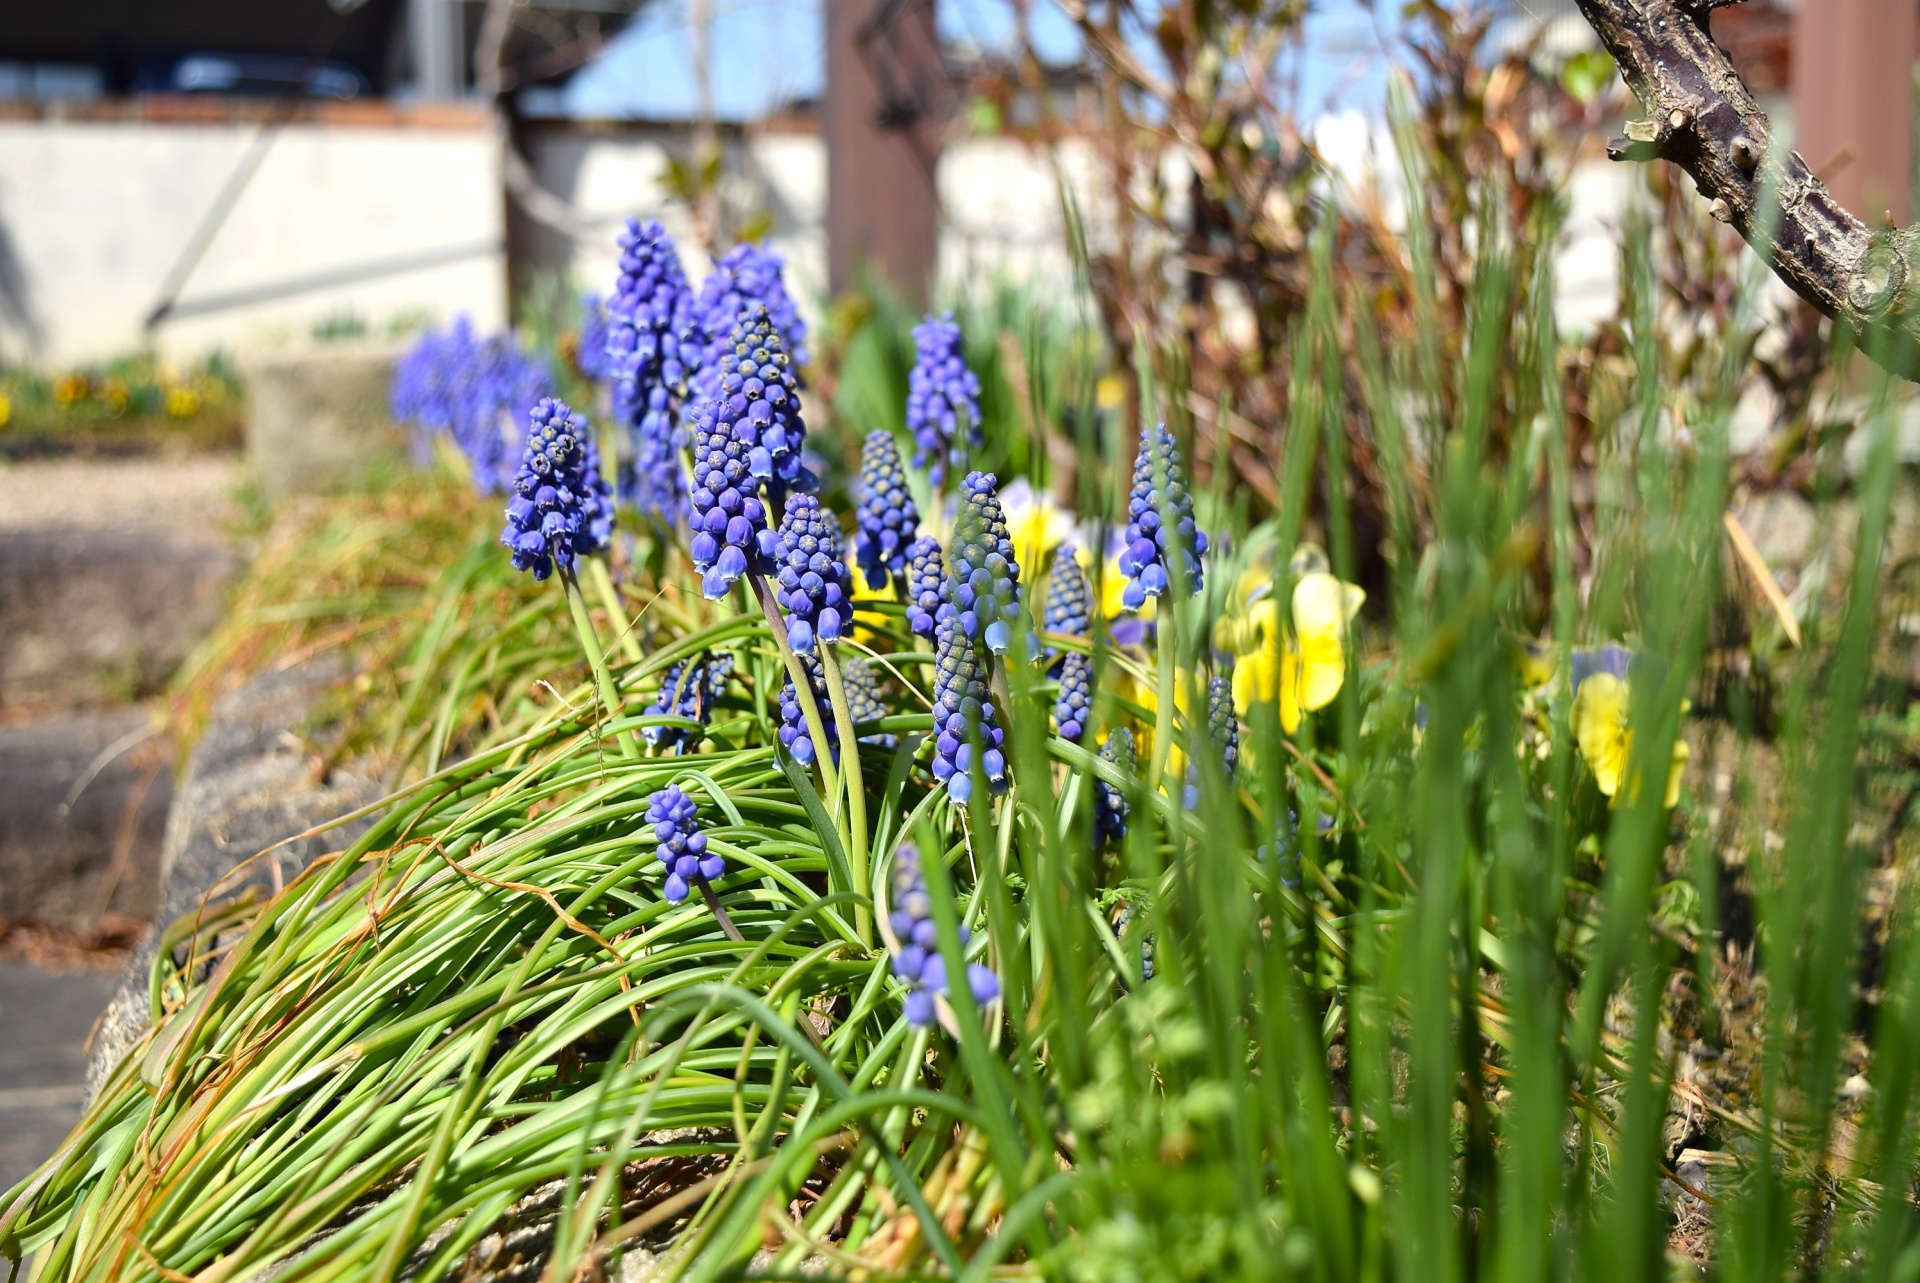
x=772, y=51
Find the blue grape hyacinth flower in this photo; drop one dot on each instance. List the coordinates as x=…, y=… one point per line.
x=683, y=847
x=943, y=399
x=864, y=703
x=561, y=509
x=916, y=959
x=812, y=585
x=1069, y=612
x=1110, y=805
x=1159, y=523
x=1069, y=605
x=728, y=516
x=1223, y=731
x=758, y=388
x=590, y=354
x=927, y=595
x=689, y=689
x=985, y=577
x=1073, y=706
x=734, y=461
x=795, y=736
x=649, y=322
x=749, y=276
x=476, y=391
x=885, y=514
x=963, y=714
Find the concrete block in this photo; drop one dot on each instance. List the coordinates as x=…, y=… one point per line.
x=318, y=415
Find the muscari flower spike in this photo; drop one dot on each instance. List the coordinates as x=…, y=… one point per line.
x=648, y=317
x=1110, y=805
x=1122, y=917
x=683, y=847
x=963, y=712
x=943, y=396
x=1069, y=605
x=689, y=689
x=985, y=579
x=927, y=596
x=748, y=277
x=885, y=514
x=916, y=960
x=475, y=391
x=1073, y=706
x=561, y=509
x=728, y=516
x=813, y=586
x=864, y=703
x=795, y=737
x=590, y=355
x=758, y=387
x=1223, y=729
x=1159, y=497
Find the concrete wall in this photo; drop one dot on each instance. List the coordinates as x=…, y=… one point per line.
x=380, y=219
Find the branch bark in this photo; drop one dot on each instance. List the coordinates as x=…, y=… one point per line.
x=1702, y=117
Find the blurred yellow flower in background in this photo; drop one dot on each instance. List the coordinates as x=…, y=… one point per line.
x=69, y=388
x=1035, y=523
x=1602, y=703
x=6, y=409
x=115, y=393
x=183, y=402
x=1302, y=662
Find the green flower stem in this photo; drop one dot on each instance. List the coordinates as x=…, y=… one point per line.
x=609, y=596
x=1166, y=698
x=719, y=911
x=803, y=689
x=856, y=788
x=596, y=659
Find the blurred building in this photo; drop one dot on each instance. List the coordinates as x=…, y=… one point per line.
x=206, y=172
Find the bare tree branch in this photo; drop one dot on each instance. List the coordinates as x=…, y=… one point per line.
x=1703, y=118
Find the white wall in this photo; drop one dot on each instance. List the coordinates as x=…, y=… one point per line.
x=94, y=214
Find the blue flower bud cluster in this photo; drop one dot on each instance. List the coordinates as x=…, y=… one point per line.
x=864, y=703
x=1159, y=497
x=1288, y=849
x=963, y=713
x=916, y=960
x=1069, y=605
x=1223, y=725
x=1223, y=731
x=885, y=514
x=985, y=575
x=1073, y=705
x=813, y=585
x=927, y=597
x=728, y=516
x=795, y=737
x=649, y=317
x=689, y=689
x=683, y=847
x=561, y=509
x=1122, y=917
x=758, y=388
x=475, y=391
x=747, y=277
x=590, y=353
x=746, y=440
x=1110, y=805
x=943, y=397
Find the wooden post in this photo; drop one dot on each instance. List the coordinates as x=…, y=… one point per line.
x=887, y=103
x=1853, y=100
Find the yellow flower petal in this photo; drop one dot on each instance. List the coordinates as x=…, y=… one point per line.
x=1600, y=729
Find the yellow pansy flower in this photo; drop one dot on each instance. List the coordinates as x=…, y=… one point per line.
x=1601, y=702
x=1035, y=523
x=6, y=409
x=1303, y=663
